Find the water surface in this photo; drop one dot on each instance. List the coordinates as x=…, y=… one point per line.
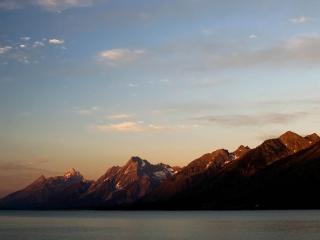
x=116, y=225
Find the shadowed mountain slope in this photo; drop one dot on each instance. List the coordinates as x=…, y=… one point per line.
x=281, y=173
x=239, y=184
x=60, y=192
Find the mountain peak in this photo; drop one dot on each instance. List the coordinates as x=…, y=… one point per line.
x=313, y=138
x=129, y=182
x=294, y=142
x=242, y=148
x=135, y=159
x=40, y=179
x=289, y=135
x=73, y=174
x=137, y=162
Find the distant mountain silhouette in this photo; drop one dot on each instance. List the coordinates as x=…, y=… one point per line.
x=281, y=173
x=60, y=192
x=119, y=185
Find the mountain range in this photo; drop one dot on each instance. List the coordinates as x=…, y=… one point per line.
x=281, y=173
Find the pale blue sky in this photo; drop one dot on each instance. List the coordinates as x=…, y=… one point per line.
x=88, y=83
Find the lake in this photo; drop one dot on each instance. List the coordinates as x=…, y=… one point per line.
x=140, y=225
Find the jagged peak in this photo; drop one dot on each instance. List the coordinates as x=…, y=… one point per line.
x=72, y=173
x=313, y=138
x=290, y=138
x=313, y=135
x=135, y=159
x=290, y=135
x=220, y=151
x=242, y=148
x=40, y=179
x=210, y=156
x=295, y=142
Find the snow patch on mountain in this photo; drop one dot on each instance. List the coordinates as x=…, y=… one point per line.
x=160, y=175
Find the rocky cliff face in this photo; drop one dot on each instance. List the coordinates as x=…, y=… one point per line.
x=195, y=171
x=122, y=185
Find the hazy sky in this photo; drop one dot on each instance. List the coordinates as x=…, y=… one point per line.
x=89, y=83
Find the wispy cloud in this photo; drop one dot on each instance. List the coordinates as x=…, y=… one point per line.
x=253, y=36
x=55, y=41
x=13, y=165
x=303, y=49
x=50, y=5
x=63, y=4
x=121, y=55
x=5, y=49
x=132, y=85
x=297, y=51
x=38, y=44
x=252, y=120
x=140, y=126
x=300, y=19
x=88, y=111
x=25, y=38
x=26, y=51
x=206, y=31
x=121, y=127
x=120, y=116
x=17, y=54
x=208, y=82
x=187, y=108
x=10, y=4
x=294, y=101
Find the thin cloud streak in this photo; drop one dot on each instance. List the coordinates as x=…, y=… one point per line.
x=121, y=55
x=187, y=108
x=88, y=111
x=55, y=41
x=5, y=49
x=301, y=101
x=120, y=116
x=299, y=20
x=140, y=126
x=236, y=120
x=49, y=5
x=301, y=50
x=297, y=50
x=25, y=166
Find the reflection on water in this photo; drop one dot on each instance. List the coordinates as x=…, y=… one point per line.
x=216, y=225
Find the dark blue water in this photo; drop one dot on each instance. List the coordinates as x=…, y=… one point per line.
x=96, y=225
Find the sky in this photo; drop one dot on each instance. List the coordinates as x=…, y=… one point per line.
x=90, y=83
